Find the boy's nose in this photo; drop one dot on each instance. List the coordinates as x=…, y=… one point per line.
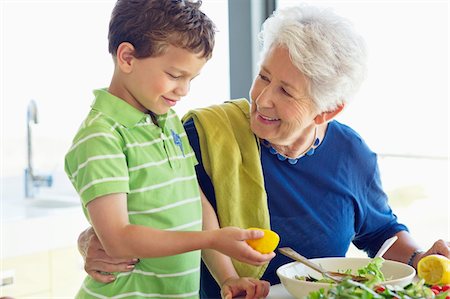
x=182, y=89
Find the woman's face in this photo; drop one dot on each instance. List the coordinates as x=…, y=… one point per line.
x=281, y=110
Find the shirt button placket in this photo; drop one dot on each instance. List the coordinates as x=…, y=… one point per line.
x=166, y=149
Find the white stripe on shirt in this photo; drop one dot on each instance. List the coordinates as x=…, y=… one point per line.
x=101, y=157
x=89, y=137
x=166, y=207
x=140, y=294
x=156, y=186
x=94, y=118
x=136, y=271
x=183, y=226
x=115, y=126
x=157, y=163
x=147, y=165
x=94, y=182
x=137, y=144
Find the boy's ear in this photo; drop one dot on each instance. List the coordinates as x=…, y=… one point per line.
x=328, y=115
x=125, y=56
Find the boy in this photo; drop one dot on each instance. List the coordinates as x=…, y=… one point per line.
x=132, y=165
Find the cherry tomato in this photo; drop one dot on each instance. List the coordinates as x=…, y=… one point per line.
x=445, y=287
x=380, y=289
x=436, y=287
x=435, y=291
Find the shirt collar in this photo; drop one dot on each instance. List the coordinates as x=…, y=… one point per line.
x=117, y=109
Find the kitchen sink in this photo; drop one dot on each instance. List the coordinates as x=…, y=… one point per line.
x=57, y=203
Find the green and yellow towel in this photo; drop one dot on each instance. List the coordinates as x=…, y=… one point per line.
x=231, y=158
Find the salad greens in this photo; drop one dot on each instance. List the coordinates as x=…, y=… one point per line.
x=371, y=271
x=372, y=288
x=349, y=289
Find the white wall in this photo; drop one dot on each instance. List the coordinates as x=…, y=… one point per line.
x=55, y=52
x=402, y=109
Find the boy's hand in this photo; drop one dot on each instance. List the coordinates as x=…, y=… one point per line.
x=231, y=241
x=97, y=263
x=250, y=287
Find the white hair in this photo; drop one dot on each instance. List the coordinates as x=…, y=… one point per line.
x=324, y=47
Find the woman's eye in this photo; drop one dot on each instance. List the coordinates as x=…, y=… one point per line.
x=285, y=92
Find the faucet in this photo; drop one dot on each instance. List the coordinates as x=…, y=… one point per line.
x=33, y=181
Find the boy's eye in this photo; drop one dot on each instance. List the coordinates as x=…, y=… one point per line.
x=173, y=76
x=264, y=78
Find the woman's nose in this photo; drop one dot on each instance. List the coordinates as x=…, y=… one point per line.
x=264, y=97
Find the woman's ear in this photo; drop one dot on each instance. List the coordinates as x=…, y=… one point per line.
x=328, y=115
x=125, y=56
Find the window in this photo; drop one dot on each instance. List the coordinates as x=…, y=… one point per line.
x=56, y=52
x=402, y=108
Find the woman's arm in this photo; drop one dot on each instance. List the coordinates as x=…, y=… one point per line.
x=405, y=246
x=96, y=262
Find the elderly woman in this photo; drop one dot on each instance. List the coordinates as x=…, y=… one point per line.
x=283, y=161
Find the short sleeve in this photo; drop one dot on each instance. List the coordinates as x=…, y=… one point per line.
x=96, y=164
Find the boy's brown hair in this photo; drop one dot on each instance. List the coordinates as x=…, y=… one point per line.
x=151, y=25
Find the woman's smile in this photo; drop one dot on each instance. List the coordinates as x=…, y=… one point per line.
x=267, y=120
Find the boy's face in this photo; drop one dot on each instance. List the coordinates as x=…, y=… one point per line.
x=157, y=83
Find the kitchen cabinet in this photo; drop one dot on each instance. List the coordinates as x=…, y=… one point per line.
x=67, y=273
x=56, y=273
x=39, y=257
x=26, y=275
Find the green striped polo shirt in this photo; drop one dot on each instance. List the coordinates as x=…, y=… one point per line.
x=119, y=149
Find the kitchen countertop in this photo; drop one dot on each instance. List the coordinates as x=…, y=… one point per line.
x=279, y=292
x=52, y=220
x=33, y=225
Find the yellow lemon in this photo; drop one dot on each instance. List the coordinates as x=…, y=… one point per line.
x=434, y=269
x=267, y=243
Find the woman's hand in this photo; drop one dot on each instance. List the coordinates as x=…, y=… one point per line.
x=97, y=263
x=439, y=247
x=250, y=287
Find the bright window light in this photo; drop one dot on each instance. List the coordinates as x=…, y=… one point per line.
x=402, y=108
x=56, y=52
